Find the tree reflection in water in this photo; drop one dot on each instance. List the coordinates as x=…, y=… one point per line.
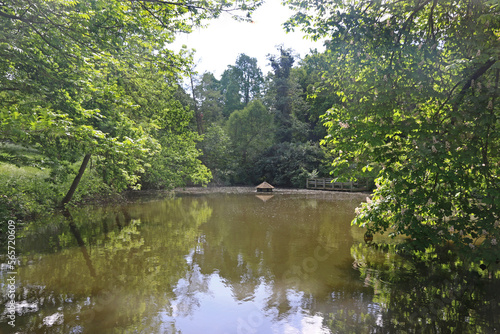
x=236, y=264
x=430, y=293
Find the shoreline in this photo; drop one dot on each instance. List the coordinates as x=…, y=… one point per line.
x=252, y=190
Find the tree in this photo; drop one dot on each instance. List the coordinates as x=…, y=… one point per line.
x=250, y=130
x=198, y=117
x=282, y=65
x=318, y=93
x=230, y=88
x=217, y=152
x=66, y=70
x=210, y=97
x=250, y=77
x=289, y=164
x=177, y=163
x=240, y=83
x=417, y=84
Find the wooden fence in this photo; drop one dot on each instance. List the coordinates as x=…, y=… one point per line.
x=327, y=184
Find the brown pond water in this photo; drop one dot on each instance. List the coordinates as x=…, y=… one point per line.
x=232, y=263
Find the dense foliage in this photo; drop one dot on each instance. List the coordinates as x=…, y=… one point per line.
x=260, y=128
x=93, y=85
x=92, y=103
x=416, y=86
x=407, y=91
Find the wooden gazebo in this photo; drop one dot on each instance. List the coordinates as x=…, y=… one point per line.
x=264, y=187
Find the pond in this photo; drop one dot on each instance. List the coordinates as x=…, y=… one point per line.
x=287, y=262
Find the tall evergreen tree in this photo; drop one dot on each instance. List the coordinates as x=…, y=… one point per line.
x=282, y=65
x=241, y=83
x=250, y=77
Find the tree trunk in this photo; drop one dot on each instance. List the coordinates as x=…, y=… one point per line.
x=76, y=181
x=197, y=114
x=79, y=240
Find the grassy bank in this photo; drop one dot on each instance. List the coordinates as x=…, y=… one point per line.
x=29, y=192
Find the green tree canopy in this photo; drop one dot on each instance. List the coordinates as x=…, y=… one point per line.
x=417, y=87
x=209, y=96
x=217, y=153
x=240, y=83
x=77, y=78
x=251, y=131
x=282, y=66
x=250, y=77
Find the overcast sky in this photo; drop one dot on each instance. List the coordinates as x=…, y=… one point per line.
x=219, y=45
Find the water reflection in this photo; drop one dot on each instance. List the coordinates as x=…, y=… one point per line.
x=264, y=198
x=228, y=264
x=441, y=295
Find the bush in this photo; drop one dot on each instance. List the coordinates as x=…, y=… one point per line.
x=28, y=192
x=24, y=192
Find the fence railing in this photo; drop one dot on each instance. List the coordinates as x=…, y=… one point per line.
x=327, y=184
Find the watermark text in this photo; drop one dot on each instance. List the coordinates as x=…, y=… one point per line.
x=12, y=273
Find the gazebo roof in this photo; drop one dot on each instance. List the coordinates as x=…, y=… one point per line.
x=264, y=185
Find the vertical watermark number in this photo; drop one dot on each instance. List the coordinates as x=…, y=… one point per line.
x=12, y=273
